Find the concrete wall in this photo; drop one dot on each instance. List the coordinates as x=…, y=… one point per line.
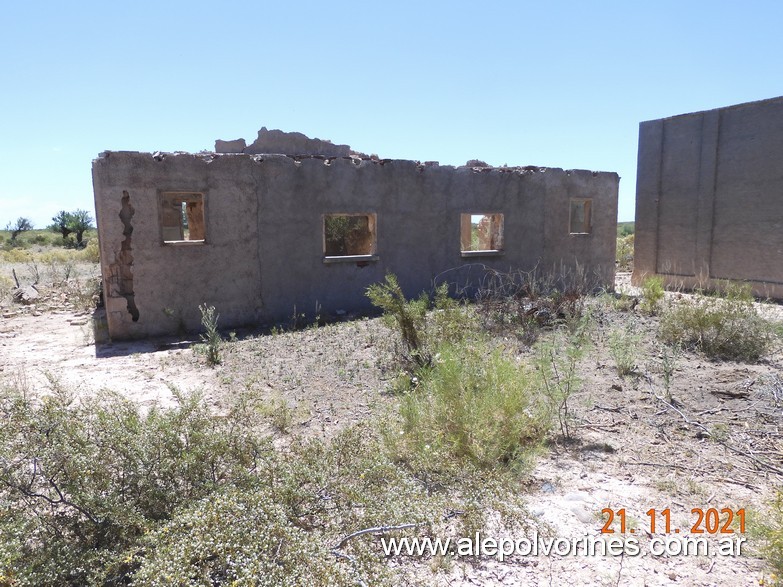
x=709, y=198
x=262, y=258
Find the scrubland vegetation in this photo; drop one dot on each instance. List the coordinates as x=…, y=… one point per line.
x=98, y=491
x=56, y=266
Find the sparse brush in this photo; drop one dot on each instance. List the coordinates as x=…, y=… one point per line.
x=624, y=348
x=669, y=356
x=525, y=302
x=722, y=326
x=652, y=294
x=557, y=361
x=279, y=413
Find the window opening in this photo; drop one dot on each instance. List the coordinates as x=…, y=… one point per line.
x=581, y=216
x=182, y=217
x=349, y=235
x=481, y=233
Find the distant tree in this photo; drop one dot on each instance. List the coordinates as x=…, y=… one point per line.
x=61, y=223
x=76, y=222
x=21, y=225
x=80, y=222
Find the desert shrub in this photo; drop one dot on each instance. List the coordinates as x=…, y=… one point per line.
x=99, y=493
x=237, y=538
x=81, y=482
x=421, y=331
x=39, y=239
x=624, y=348
x=475, y=405
x=55, y=256
x=770, y=531
x=652, y=294
x=17, y=255
x=60, y=265
x=90, y=252
x=211, y=336
x=407, y=315
x=557, y=366
x=665, y=364
x=722, y=326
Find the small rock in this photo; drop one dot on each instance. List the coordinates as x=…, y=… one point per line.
x=584, y=516
x=577, y=496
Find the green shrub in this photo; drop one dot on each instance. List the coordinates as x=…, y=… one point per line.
x=652, y=294
x=210, y=337
x=237, y=538
x=408, y=316
x=82, y=482
x=475, y=405
x=666, y=365
x=625, y=228
x=421, y=333
x=726, y=326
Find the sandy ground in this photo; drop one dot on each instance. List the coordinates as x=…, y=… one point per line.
x=59, y=345
x=635, y=450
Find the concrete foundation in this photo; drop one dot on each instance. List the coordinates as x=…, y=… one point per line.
x=252, y=236
x=709, y=198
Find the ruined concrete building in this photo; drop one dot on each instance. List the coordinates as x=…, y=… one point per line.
x=709, y=198
x=295, y=225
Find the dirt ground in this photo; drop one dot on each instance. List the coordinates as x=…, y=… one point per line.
x=715, y=442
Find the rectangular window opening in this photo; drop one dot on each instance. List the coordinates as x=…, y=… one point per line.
x=182, y=217
x=481, y=234
x=581, y=216
x=349, y=236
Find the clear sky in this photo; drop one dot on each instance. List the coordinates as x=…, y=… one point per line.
x=555, y=84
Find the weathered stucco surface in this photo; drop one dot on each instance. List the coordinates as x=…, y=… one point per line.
x=262, y=258
x=709, y=198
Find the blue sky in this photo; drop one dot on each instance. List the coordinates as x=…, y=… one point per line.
x=556, y=84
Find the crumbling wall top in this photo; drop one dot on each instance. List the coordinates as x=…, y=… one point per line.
x=285, y=143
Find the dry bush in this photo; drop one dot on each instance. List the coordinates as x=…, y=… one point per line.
x=526, y=301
